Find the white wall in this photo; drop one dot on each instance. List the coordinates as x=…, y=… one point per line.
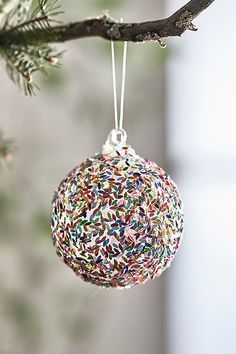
x=202, y=149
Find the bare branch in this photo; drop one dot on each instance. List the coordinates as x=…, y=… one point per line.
x=107, y=28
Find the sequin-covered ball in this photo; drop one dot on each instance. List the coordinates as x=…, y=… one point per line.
x=117, y=219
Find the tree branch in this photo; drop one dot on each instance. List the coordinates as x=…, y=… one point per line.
x=24, y=40
x=109, y=29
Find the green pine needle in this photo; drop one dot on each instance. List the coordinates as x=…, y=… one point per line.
x=21, y=49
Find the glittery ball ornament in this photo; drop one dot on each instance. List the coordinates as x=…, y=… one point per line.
x=117, y=219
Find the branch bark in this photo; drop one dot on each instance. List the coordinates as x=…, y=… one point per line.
x=105, y=27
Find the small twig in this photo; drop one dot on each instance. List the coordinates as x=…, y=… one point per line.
x=24, y=24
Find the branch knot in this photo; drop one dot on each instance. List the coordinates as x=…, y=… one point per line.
x=185, y=21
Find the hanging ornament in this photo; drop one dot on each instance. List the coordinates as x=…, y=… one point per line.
x=117, y=219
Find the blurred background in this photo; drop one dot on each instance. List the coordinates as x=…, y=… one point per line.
x=180, y=112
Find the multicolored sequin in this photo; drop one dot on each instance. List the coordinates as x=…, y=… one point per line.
x=117, y=219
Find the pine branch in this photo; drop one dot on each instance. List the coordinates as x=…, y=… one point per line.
x=27, y=32
x=25, y=55
x=109, y=29
x=26, y=24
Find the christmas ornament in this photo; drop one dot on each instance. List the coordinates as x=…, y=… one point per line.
x=117, y=219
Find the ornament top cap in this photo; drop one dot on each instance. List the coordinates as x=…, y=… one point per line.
x=116, y=144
